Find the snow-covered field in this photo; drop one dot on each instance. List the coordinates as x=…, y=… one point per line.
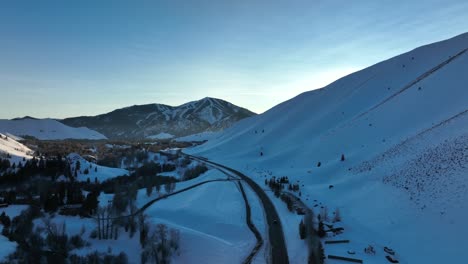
x=210, y=218
x=46, y=129
x=402, y=128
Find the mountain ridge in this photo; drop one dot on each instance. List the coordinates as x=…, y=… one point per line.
x=143, y=121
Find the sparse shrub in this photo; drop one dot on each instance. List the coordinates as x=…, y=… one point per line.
x=321, y=230
x=185, y=161
x=337, y=216
x=160, y=246
x=323, y=216
x=302, y=230
x=149, y=190
x=93, y=234
x=195, y=172
x=76, y=241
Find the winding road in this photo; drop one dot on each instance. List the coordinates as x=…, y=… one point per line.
x=277, y=244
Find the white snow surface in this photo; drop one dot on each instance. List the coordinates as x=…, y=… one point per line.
x=402, y=125
x=207, y=135
x=7, y=247
x=210, y=218
x=13, y=210
x=46, y=129
x=161, y=135
x=17, y=151
x=102, y=173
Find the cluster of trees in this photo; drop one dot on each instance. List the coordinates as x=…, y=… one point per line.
x=184, y=161
x=8, y=196
x=5, y=221
x=277, y=185
x=155, y=183
x=159, y=244
x=109, y=186
x=130, y=157
x=288, y=201
x=192, y=173
x=293, y=187
x=55, y=194
x=107, y=227
x=51, y=167
x=151, y=169
x=97, y=257
x=50, y=243
x=4, y=164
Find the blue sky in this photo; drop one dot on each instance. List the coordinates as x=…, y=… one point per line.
x=69, y=58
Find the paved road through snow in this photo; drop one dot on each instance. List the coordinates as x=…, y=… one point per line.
x=277, y=243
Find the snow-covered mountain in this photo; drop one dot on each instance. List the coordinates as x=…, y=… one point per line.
x=142, y=121
x=46, y=129
x=402, y=126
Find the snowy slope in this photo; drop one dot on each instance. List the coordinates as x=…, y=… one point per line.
x=101, y=173
x=46, y=129
x=210, y=218
x=207, y=135
x=402, y=126
x=9, y=147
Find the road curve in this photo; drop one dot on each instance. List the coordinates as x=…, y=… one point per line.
x=251, y=226
x=151, y=202
x=278, y=250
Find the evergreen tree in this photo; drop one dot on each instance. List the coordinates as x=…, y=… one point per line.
x=77, y=165
x=302, y=230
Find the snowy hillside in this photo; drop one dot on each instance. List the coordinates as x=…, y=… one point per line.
x=46, y=129
x=402, y=127
x=89, y=170
x=13, y=150
x=154, y=120
x=207, y=135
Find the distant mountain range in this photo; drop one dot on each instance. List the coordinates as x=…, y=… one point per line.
x=153, y=120
x=46, y=129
